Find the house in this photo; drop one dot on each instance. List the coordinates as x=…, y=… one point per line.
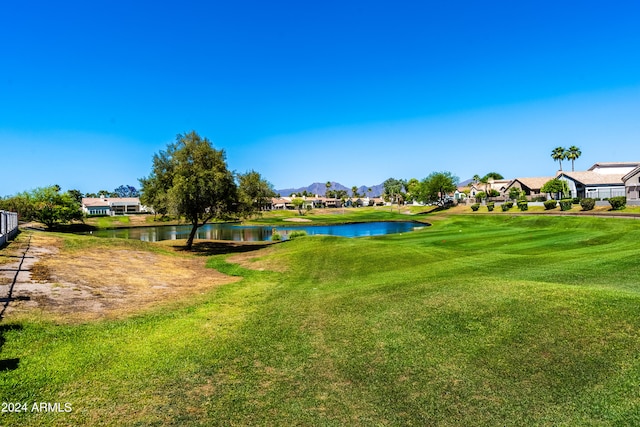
x=498, y=185
x=283, y=203
x=112, y=206
x=632, y=186
x=600, y=181
x=530, y=186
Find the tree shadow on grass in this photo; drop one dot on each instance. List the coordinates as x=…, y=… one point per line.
x=8, y=364
x=219, y=248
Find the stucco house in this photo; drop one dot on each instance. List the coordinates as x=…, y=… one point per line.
x=530, y=186
x=112, y=205
x=493, y=184
x=600, y=181
x=632, y=186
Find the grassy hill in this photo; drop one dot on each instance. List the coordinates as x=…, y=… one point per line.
x=477, y=320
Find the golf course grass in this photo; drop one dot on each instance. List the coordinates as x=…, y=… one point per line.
x=478, y=320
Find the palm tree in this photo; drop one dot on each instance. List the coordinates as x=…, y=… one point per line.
x=354, y=191
x=572, y=154
x=328, y=185
x=559, y=154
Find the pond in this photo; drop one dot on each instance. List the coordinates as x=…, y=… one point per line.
x=256, y=233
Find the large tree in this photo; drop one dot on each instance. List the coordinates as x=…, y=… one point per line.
x=436, y=186
x=191, y=178
x=255, y=193
x=555, y=186
x=393, y=189
x=51, y=207
x=573, y=153
x=559, y=154
x=126, y=191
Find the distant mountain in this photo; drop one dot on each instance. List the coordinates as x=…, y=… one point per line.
x=320, y=188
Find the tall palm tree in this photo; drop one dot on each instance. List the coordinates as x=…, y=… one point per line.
x=354, y=191
x=328, y=185
x=559, y=154
x=572, y=154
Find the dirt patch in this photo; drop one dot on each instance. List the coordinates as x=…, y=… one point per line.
x=297, y=219
x=94, y=283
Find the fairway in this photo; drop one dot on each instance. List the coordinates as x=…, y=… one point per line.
x=479, y=320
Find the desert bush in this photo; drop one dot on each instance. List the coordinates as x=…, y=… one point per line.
x=475, y=206
x=550, y=204
x=618, y=203
x=490, y=206
x=297, y=233
x=587, y=204
x=523, y=206
x=566, y=204
x=506, y=206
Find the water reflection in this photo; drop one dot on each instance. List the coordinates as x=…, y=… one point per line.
x=249, y=233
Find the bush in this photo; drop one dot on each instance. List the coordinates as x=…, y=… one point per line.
x=490, y=206
x=506, y=206
x=539, y=199
x=566, y=204
x=475, y=206
x=523, y=206
x=276, y=237
x=576, y=200
x=618, y=203
x=550, y=204
x=587, y=204
x=297, y=233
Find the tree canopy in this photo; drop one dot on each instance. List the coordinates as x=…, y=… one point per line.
x=255, y=193
x=126, y=191
x=191, y=178
x=436, y=186
x=573, y=153
x=47, y=205
x=555, y=186
x=559, y=154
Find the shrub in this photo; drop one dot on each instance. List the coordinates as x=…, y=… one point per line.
x=618, y=203
x=490, y=206
x=539, y=199
x=566, y=204
x=523, y=206
x=550, y=204
x=576, y=200
x=587, y=204
x=475, y=206
x=506, y=206
x=297, y=233
x=276, y=237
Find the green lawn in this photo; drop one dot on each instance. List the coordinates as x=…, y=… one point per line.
x=478, y=320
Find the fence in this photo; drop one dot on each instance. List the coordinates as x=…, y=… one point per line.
x=8, y=226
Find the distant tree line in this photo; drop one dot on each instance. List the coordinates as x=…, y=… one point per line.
x=47, y=205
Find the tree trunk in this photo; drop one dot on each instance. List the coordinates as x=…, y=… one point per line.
x=192, y=235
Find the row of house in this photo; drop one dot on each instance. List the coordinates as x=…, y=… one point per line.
x=600, y=181
x=281, y=203
x=110, y=206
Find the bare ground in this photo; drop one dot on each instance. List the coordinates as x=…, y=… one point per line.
x=94, y=283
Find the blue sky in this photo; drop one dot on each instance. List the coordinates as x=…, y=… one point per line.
x=302, y=92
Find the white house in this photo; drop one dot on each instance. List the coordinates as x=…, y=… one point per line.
x=600, y=181
x=632, y=186
x=112, y=205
